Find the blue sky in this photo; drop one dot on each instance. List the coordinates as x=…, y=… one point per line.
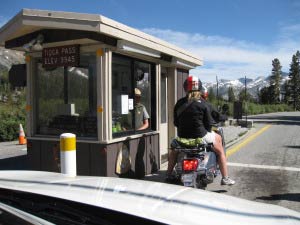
x=235, y=38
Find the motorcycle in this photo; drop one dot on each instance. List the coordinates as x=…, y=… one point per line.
x=197, y=165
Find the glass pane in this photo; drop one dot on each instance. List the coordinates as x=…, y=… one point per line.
x=130, y=111
x=142, y=73
x=67, y=99
x=122, y=91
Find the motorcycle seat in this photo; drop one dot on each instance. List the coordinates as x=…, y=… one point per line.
x=192, y=144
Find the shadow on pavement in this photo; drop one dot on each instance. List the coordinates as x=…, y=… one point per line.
x=14, y=163
x=276, y=119
x=292, y=146
x=157, y=177
x=295, y=197
x=219, y=191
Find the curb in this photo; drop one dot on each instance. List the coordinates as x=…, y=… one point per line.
x=240, y=138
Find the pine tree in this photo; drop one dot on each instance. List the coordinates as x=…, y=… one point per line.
x=275, y=82
x=211, y=95
x=245, y=96
x=231, y=96
x=294, y=82
x=287, y=92
x=264, y=95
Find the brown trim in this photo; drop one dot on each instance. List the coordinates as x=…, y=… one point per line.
x=165, y=57
x=181, y=76
x=57, y=35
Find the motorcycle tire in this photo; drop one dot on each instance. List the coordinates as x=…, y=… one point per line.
x=200, y=184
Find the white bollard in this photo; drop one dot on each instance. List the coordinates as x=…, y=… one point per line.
x=68, y=154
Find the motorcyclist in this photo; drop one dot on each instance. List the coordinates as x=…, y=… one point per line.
x=193, y=119
x=215, y=114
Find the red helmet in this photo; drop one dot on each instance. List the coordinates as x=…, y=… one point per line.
x=192, y=83
x=204, y=93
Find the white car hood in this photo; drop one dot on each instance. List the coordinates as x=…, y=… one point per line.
x=161, y=202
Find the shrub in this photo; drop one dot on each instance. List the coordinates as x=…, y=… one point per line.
x=12, y=113
x=9, y=129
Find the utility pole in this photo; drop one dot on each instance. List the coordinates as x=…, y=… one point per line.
x=217, y=92
x=246, y=99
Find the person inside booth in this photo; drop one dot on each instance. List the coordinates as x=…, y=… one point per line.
x=141, y=114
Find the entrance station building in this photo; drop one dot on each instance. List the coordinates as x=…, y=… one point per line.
x=82, y=71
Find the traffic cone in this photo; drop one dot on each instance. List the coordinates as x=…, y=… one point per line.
x=22, y=139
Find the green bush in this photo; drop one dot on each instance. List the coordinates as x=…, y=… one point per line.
x=9, y=129
x=12, y=113
x=255, y=108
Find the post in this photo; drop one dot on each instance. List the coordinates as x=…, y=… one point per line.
x=68, y=154
x=246, y=99
x=217, y=92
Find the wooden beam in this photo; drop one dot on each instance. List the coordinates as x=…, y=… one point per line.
x=58, y=35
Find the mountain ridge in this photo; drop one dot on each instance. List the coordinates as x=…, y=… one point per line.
x=254, y=85
x=10, y=57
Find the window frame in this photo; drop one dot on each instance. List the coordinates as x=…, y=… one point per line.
x=153, y=117
x=35, y=100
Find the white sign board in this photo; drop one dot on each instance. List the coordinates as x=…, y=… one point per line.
x=130, y=104
x=124, y=104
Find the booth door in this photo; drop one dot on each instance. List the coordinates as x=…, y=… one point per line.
x=163, y=137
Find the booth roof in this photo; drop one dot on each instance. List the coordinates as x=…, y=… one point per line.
x=30, y=20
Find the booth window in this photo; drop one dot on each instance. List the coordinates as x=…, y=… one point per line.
x=133, y=96
x=66, y=98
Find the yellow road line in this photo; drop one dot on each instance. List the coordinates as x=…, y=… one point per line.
x=245, y=142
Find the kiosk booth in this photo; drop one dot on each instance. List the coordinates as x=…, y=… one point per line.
x=82, y=71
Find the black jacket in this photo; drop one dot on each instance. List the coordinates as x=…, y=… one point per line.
x=194, y=121
x=215, y=114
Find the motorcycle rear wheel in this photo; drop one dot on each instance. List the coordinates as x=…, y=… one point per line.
x=199, y=183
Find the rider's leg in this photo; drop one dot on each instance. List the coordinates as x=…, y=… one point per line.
x=171, y=161
x=218, y=148
x=216, y=139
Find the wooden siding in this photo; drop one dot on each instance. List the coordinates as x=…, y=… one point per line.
x=181, y=76
x=98, y=159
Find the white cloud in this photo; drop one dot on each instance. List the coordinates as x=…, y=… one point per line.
x=230, y=59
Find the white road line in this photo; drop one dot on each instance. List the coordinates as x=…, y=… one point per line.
x=264, y=167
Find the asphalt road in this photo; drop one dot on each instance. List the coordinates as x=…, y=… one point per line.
x=267, y=168
x=265, y=163
x=13, y=156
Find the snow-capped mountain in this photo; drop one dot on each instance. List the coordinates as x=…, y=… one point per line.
x=10, y=57
x=253, y=85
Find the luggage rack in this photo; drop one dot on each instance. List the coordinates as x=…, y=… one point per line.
x=195, y=149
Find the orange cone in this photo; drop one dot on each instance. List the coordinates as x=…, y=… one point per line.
x=22, y=139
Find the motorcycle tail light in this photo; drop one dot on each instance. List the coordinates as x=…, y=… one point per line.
x=190, y=164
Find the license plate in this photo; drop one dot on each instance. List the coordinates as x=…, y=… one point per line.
x=187, y=179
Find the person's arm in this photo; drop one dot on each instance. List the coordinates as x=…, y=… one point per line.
x=145, y=124
x=208, y=120
x=145, y=119
x=217, y=116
